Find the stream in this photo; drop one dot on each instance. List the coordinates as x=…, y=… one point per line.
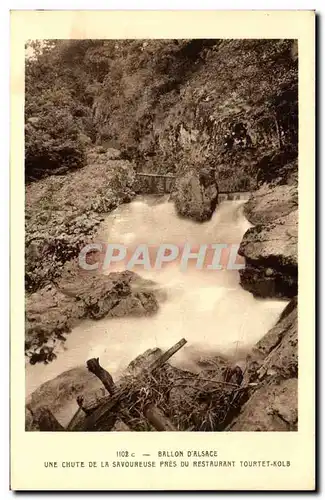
x=207, y=307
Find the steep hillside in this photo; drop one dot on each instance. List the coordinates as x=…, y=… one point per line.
x=227, y=104
x=166, y=104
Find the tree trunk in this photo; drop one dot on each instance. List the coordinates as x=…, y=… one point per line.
x=103, y=375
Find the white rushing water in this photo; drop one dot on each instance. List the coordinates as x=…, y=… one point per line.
x=207, y=307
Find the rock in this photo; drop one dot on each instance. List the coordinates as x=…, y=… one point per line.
x=53, y=311
x=279, y=167
x=100, y=294
x=280, y=345
x=49, y=313
x=100, y=155
x=138, y=304
x=44, y=420
x=63, y=215
x=273, y=407
x=143, y=361
x=114, y=297
x=30, y=424
x=196, y=194
x=116, y=294
x=45, y=355
x=270, y=248
x=113, y=154
x=101, y=150
x=269, y=203
x=60, y=394
x=84, y=139
x=273, y=365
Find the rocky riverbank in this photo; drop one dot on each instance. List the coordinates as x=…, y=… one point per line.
x=261, y=396
x=270, y=249
x=273, y=365
x=196, y=193
x=64, y=213
x=52, y=311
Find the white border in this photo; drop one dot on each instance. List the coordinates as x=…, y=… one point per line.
x=4, y=117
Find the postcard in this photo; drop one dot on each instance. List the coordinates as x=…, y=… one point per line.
x=162, y=200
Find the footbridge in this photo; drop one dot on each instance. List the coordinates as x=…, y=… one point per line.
x=155, y=183
x=164, y=184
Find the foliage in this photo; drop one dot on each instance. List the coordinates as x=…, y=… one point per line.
x=53, y=145
x=164, y=103
x=58, y=122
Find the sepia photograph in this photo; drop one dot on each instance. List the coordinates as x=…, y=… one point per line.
x=161, y=235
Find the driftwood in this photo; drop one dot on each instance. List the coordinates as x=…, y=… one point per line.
x=143, y=400
x=107, y=380
x=167, y=355
x=99, y=415
x=101, y=412
x=155, y=416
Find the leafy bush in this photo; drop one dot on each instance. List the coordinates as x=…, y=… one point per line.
x=58, y=120
x=52, y=145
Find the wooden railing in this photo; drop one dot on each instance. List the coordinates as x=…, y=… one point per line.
x=164, y=184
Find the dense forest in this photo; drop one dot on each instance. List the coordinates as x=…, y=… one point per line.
x=165, y=104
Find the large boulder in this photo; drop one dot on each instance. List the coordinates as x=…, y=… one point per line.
x=270, y=247
x=273, y=407
x=60, y=394
x=196, y=194
x=269, y=203
x=49, y=314
x=116, y=294
x=54, y=310
x=273, y=367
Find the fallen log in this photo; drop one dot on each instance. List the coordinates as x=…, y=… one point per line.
x=101, y=412
x=167, y=355
x=94, y=420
